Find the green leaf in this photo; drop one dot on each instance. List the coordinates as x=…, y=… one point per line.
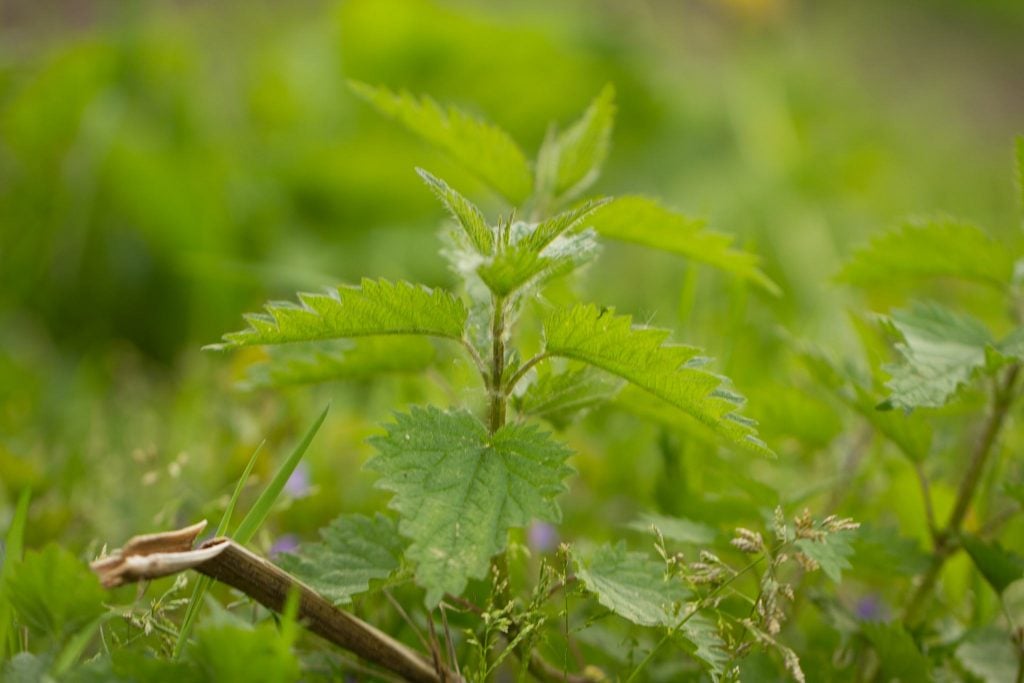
x=897, y=652
x=560, y=397
x=470, y=218
x=235, y=653
x=830, y=552
x=632, y=585
x=675, y=529
x=643, y=221
x=38, y=588
x=941, y=352
x=342, y=359
x=26, y=667
x=481, y=147
x=640, y=355
x=935, y=248
x=355, y=550
x=10, y=557
x=259, y=511
x=570, y=163
x=999, y=566
x=376, y=307
x=459, y=489
x=987, y=653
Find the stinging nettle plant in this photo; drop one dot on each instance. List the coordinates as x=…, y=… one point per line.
x=462, y=477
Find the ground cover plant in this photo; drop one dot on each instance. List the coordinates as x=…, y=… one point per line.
x=514, y=443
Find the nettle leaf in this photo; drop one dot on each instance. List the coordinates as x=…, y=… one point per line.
x=468, y=216
x=30, y=588
x=459, y=489
x=632, y=585
x=644, y=221
x=675, y=529
x=355, y=551
x=898, y=653
x=935, y=248
x=570, y=163
x=999, y=566
x=241, y=653
x=941, y=351
x=988, y=654
x=673, y=373
x=560, y=397
x=830, y=552
x=376, y=307
x=483, y=148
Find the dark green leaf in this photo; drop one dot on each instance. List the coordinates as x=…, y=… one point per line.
x=999, y=566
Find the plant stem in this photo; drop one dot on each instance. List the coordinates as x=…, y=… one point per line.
x=497, y=389
x=521, y=372
x=945, y=540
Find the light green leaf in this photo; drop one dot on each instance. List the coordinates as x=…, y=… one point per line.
x=675, y=529
x=935, y=248
x=897, y=652
x=999, y=566
x=701, y=632
x=481, y=147
x=632, y=585
x=315, y=362
x=830, y=552
x=376, y=307
x=560, y=397
x=643, y=221
x=987, y=653
x=355, y=550
x=38, y=589
x=236, y=653
x=570, y=163
x=470, y=218
x=671, y=372
x=459, y=489
x=941, y=351
x=10, y=557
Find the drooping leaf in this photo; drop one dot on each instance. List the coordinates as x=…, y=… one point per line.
x=376, y=307
x=675, y=528
x=899, y=656
x=355, y=550
x=316, y=362
x=39, y=590
x=569, y=163
x=641, y=356
x=941, y=351
x=459, y=489
x=559, y=397
x=632, y=585
x=470, y=218
x=831, y=553
x=643, y=221
x=481, y=147
x=999, y=566
x=935, y=248
x=988, y=654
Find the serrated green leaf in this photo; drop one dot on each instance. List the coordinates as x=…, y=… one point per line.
x=830, y=552
x=465, y=213
x=570, y=163
x=632, y=585
x=882, y=551
x=560, y=397
x=941, y=351
x=643, y=221
x=936, y=248
x=897, y=652
x=701, y=632
x=459, y=489
x=481, y=147
x=38, y=586
x=988, y=654
x=343, y=359
x=376, y=307
x=999, y=566
x=355, y=550
x=675, y=528
x=641, y=356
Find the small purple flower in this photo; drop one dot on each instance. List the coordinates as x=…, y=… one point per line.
x=871, y=608
x=284, y=544
x=298, y=485
x=542, y=537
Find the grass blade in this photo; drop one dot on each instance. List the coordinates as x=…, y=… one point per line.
x=13, y=547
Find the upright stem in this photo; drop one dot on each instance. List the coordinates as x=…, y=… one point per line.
x=945, y=539
x=497, y=388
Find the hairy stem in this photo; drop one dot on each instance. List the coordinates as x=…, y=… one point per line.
x=497, y=388
x=945, y=540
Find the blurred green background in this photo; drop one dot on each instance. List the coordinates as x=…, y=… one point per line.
x=165, y=167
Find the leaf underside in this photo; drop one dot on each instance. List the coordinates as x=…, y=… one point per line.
x=458, y=490
x=641, y=356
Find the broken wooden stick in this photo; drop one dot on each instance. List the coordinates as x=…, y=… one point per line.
x=153, y=556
